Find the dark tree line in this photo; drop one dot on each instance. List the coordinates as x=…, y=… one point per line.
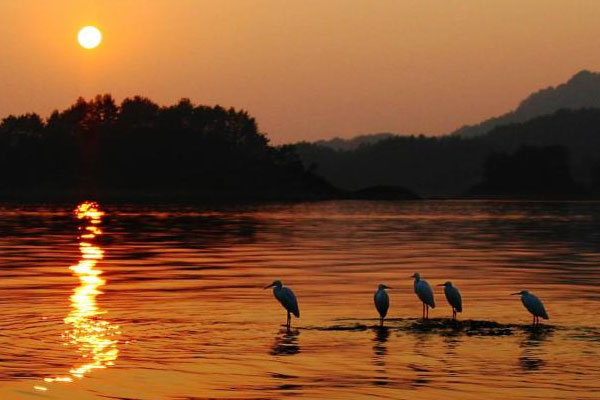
x=530, y=171
x=140, y=149
x=452, y=165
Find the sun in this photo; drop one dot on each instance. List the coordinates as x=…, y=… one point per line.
x=89, y=37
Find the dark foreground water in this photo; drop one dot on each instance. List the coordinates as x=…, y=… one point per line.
x=167, y=303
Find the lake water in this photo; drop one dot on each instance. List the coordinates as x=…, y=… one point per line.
x=131, y=302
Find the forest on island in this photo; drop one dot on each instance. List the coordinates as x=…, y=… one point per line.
x=138, y=149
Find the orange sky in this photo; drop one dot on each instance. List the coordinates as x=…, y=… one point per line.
x=306, y=69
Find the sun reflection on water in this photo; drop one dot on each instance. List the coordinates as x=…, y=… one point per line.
x=94, y=337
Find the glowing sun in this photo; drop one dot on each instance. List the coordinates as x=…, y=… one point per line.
x=89, y=37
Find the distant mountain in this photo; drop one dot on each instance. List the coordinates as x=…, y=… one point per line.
x=581, y=91
x=339, y=143
x=448, y=166
x=488, y=157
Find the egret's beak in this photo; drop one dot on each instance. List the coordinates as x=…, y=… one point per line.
x=512, y=294
x=441, y=284
x=412, y=276
x=268, y=286
x=388, y=287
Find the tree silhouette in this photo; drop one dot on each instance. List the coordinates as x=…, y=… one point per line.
x=139, y=149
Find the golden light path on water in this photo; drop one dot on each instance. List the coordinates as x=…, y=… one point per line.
x=94, y=337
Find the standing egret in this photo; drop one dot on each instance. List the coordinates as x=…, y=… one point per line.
x=425, y=293
x=287, y=298
x=453, y=296
x=534, y=305
x=382, y=302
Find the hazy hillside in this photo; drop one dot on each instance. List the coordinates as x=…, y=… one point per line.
x=581, y=91
x=450, y=165
x=339, y=143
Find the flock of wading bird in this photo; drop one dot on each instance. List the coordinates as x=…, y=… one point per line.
x=424, y=292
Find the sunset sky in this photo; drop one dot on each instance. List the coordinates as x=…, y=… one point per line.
x=306, y=69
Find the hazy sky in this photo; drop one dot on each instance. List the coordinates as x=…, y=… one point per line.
x=306, y=69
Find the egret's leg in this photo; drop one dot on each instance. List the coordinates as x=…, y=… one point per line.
x=427, y=309
x=453, y=314
x=380, y=321
x=423, y=310
x=534, y=320
x=289, y=319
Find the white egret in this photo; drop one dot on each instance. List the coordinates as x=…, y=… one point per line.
x=287, y=298
x=425, y=294
x=534, y=305
x=382, y=302
x=453, y=296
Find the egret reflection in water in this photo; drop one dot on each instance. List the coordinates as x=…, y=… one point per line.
x=382, y=334
x=94, y=337
x=286, y=343
x=533, y=354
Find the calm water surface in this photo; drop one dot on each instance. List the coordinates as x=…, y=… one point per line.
x=167, y=302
